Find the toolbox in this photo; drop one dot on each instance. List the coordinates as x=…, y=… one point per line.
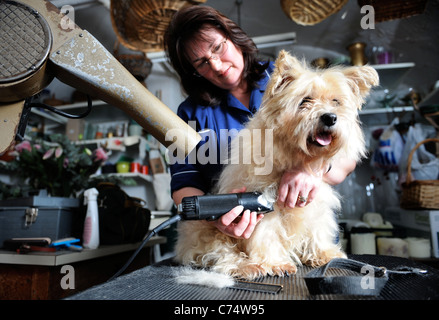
x=37, y=216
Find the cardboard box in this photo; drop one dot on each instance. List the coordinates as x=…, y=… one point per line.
x=75, y=128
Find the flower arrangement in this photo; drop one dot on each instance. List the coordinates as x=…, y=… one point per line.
x=55, y=164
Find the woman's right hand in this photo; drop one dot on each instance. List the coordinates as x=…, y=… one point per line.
x=236, y=225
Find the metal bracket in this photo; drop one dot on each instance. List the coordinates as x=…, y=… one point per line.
x=24, y=118
x=31, y=215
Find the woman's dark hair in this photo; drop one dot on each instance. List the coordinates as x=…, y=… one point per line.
x=184, y=25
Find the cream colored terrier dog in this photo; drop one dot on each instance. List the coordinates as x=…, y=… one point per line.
x=313, y=118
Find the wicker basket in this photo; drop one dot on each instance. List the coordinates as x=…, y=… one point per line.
x=419, y=194
x=386, y=10
x=137, y=64
x=140, y=25
x=310, y=12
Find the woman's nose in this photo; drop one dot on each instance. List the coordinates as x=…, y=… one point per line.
x=215, y=64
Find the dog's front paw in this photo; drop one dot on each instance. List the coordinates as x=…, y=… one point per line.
x=252, y=271
x=283, y=269
x=324, y=257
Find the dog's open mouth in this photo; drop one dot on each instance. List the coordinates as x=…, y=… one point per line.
x=321, y=139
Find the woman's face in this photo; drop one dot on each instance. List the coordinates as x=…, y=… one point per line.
x=225, y=72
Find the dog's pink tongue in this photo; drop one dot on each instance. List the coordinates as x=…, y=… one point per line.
x=324, y=139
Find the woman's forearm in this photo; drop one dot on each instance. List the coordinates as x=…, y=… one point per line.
x=339, y=171
x=178, y=195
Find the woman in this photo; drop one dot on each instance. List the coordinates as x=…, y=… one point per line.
x=218, y=66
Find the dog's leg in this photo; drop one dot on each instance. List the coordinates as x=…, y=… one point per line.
x=323, y=256
x=320, y=247
x=266, y=250
x=201, y=244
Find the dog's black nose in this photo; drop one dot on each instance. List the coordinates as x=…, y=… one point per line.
x=329, y=119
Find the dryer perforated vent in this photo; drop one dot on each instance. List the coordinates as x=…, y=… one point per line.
x=25, y=41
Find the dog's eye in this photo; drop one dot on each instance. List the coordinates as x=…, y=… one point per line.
x=336, y=102
x=305, y=100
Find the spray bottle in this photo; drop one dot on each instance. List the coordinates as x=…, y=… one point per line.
x=91, y=224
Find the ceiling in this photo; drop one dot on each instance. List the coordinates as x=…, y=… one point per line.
x=414, y=39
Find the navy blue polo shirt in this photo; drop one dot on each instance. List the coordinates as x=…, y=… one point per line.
x=217, y=125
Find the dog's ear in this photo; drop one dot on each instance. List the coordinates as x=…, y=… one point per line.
x=363, y=79
x=288, y=64
x=288, y=69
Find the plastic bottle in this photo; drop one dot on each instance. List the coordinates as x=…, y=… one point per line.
x=91, y=223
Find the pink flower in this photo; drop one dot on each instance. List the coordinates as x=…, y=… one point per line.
x=65, y=162
x=48, y=153
x=100, y=155
x=25, y=145
x=58, y=152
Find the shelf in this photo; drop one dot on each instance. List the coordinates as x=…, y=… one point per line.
x=373, y=111
x=138, y=175
x=49, y=115
x=120, y=143
x=127, y=141
x=82, y=104
x=62, y=120
x=67, y=257
x=391, y=74
x=393, y=66
x=158, y=217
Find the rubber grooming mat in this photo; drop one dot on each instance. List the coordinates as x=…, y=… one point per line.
x=156, y=283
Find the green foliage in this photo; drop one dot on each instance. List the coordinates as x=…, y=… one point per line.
x=57, y=165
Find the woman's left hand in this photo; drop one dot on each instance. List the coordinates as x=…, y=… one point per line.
x=237, y=223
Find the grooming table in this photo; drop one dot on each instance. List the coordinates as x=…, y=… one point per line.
x=156, y=282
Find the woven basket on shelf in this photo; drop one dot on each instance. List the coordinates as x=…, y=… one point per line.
x=310, y=12
x=386, y=10
x=419, y=194
x=140, y=25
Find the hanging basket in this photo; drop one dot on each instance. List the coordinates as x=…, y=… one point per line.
x=419, y=194
x=137, y=64
x=310, y=12
x=140, y=25
x=386, y=10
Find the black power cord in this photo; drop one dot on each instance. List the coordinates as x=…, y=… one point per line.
x=28, y=105
x=152, y=233
x=62, y=113
x=207, y=207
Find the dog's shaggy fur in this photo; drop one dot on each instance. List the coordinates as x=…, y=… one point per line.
x=314, y=119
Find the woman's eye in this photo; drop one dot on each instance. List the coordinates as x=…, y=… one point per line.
x=200, y=64
x=217, y=48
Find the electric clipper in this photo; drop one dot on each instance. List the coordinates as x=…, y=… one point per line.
x=211, y=207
